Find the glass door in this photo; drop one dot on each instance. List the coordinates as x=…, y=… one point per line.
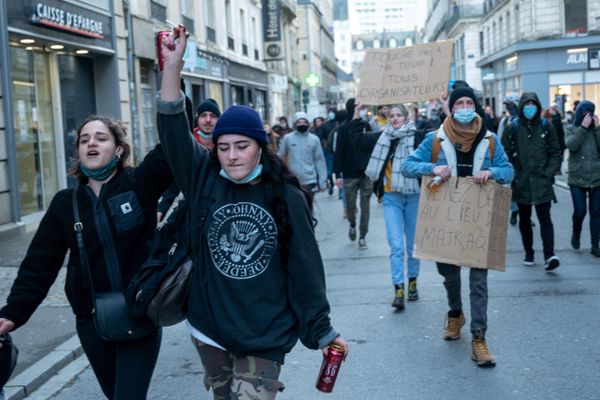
x=78, y=100
x=34, y=129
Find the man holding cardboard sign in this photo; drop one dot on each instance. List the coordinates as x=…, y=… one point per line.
x=464, y=148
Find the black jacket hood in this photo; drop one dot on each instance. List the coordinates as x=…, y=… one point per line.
x=527, y=96
x=350, y=109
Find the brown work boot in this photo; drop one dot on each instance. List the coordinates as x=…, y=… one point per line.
x=453, y=325
x=481, y=354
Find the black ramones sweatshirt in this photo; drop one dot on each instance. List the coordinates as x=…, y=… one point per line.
x=243, y=295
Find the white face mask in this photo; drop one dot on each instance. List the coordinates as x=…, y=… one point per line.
x=363, y=114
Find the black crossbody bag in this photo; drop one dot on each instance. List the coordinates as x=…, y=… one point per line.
x=111, y=315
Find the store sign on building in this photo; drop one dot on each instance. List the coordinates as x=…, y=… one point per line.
x=58, y=17
x=577, y=58
x=594, y=59
x=272, y=29
x=278, y=83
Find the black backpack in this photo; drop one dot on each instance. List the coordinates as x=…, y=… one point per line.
x=170, y=249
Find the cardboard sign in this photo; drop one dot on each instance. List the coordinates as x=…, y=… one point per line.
x=463, y=223
x=408, y=74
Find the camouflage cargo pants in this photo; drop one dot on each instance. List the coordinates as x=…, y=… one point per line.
x=235, y=378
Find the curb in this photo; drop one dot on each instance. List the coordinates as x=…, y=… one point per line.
x=24, y=384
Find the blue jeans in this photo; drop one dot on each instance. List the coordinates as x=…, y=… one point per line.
x=400, y=213
x=579, y=194
x=478, y=293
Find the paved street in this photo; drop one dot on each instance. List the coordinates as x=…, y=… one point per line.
x=542, y=329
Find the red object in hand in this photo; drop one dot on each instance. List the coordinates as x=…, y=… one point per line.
x=159, y=55
x=330, y=368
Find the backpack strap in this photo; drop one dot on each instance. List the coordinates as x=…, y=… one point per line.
x=492, y=148
x=436, y=146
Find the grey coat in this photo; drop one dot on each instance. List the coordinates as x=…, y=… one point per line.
x=584, y=156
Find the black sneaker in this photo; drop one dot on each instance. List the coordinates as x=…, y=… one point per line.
x=595, y=251
x=352, y=233
x=552, y=263
x=413, y=293
x=529, y=260
x=513, y=217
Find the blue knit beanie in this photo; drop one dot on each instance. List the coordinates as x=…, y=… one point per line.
x=240, y=120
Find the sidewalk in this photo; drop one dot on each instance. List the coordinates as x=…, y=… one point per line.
x=47, y=341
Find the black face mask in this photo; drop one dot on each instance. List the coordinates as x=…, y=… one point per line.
x=301, y=128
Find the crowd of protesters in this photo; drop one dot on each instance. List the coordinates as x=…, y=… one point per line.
x=278, y=167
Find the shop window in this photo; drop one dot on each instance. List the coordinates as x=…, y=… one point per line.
x=34, y=129
x=576, y=17
x=564, y=95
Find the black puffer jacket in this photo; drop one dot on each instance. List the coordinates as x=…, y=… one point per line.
x=533, y=150
x=129, y=203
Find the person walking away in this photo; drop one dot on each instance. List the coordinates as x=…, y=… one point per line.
x=533, y=150
x=117, y=206
x=583, y=142
x=349, y=165
x=304, y=155
x=466, y=149
x=258, y=283
x=400, y=199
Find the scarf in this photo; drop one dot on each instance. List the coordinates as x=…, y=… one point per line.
x=462, y=135
x=406, y=135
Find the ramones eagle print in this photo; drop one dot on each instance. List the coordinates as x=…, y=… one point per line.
x=242, y=239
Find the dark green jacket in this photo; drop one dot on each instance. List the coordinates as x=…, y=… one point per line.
x=584, y=156
x=532, y=148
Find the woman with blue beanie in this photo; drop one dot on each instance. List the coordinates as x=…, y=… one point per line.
x=258, y=283
x=583, y=142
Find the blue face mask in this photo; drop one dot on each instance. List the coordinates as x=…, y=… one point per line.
x=256, y=172
x=331, y=116
x=529, y=111
x=100, y=174
x=464, y=116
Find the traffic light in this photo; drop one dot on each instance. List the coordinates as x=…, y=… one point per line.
x=305, y=96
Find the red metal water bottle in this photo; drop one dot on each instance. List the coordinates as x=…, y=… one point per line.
x=330, y=368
